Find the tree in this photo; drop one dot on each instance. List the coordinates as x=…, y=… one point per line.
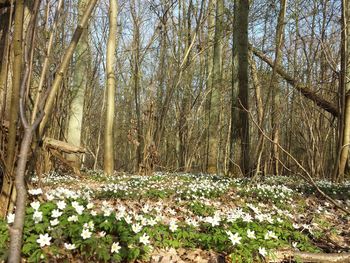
x=345, y=86
x=240, y=103
x=274, y=86
x=111, y=85
x=136, y=61
x=214, y=163
x=74, y=129
x=14, y=106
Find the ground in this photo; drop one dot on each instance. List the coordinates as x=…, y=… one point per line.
x=170, y=217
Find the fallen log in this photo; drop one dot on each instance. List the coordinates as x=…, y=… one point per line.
x=306, y=257
x=58, y=149
x=61, y=146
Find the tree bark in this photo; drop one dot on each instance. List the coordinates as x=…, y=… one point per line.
x=276, y=92
x=136, y=83
x=209, y=69
x=111, y=86
x=74, y=131
x=16, y=83
x=14, y=106
x=241, y=44
x=344, y=151
x=214, y=165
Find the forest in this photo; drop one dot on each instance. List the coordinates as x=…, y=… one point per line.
x=171, y=131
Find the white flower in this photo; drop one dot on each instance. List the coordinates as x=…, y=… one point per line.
x=69, y=246
x=251, y=234
x=115, y=247
x=90, y=205
x=86, y=233
x=260, y=217
x=305, y=226
x=296, y=226
x=151, y=222
x=173, y=226
x=91, y=225
x=144, y=239
x=294, y=244
x=107, y=211
x=270, y=234
x=49, y=197
x=37, y=191
x=37, y=216
x=192, y=222
x=247, y=218
x=73, y=218
x=269, y=219
x=139, y=217
x=213, y=220
x=171, y=211
x=10, y=218
x=75, y=204
x=102, y=234
x=262, y=251
x=54, y=222
x=144, y=221
x=121, y=208
x=44, y=240
x=61, y=205
x=234, y=238
x=56, y=213
x=35, y=205
x=128, y=219
x=79, y=208
x=93, y=213
x=145, y=209
x=119, y=215
x=136, y=227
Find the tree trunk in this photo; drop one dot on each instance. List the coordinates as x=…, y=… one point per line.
x=74, y=130
x=241, y=44
x=14, y=108
x=214, y=165
x=209, y=69
x=136, y=83
x=344, y=151
x=111, y=85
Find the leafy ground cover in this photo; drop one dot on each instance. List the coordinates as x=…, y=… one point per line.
x=177, y=218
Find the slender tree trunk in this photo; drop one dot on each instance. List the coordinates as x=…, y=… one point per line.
x=344, y=151
x=260, y=114
x=4, y=56
x=136, y=83
x=111, y=86
x=209, y=69
x=16, y=83
x=242, y=9
x=274, y=85
x=183, y=129
x=216, y=78
x=7, y=182
x=14, y=108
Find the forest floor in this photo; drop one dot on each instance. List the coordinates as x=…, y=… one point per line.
x=171, y=217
